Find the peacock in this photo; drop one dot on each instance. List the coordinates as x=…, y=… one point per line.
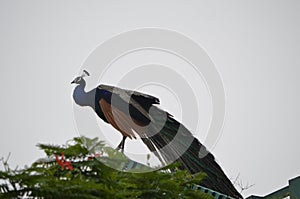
x=137, y=115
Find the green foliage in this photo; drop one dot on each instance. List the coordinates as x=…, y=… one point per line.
x=82, y=174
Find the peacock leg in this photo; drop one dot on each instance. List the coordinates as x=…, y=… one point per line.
x=122, y=144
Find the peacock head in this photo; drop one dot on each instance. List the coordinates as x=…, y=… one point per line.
x=79, y=79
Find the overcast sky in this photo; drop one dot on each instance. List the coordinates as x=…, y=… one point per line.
x=254, y=44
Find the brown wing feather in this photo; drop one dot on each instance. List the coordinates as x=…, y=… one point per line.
x=120, y=121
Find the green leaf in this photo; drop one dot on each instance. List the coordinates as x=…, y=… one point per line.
x=91, y=178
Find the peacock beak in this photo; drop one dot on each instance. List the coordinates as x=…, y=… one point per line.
x=73, y=82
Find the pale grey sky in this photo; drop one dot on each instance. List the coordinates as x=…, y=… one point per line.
x=254, y=44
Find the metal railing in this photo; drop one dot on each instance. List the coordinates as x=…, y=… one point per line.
x=215, y=194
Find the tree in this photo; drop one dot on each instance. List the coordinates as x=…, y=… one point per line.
x=75, y=171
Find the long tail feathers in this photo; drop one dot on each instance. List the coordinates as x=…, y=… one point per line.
x=170, y=141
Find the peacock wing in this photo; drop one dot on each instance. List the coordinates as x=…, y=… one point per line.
x=141, y=102
x=121, y=121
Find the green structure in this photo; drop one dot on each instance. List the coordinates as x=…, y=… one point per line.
x=292, y=190
x=213, y=193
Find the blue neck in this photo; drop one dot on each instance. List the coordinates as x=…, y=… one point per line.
x=83, y=98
